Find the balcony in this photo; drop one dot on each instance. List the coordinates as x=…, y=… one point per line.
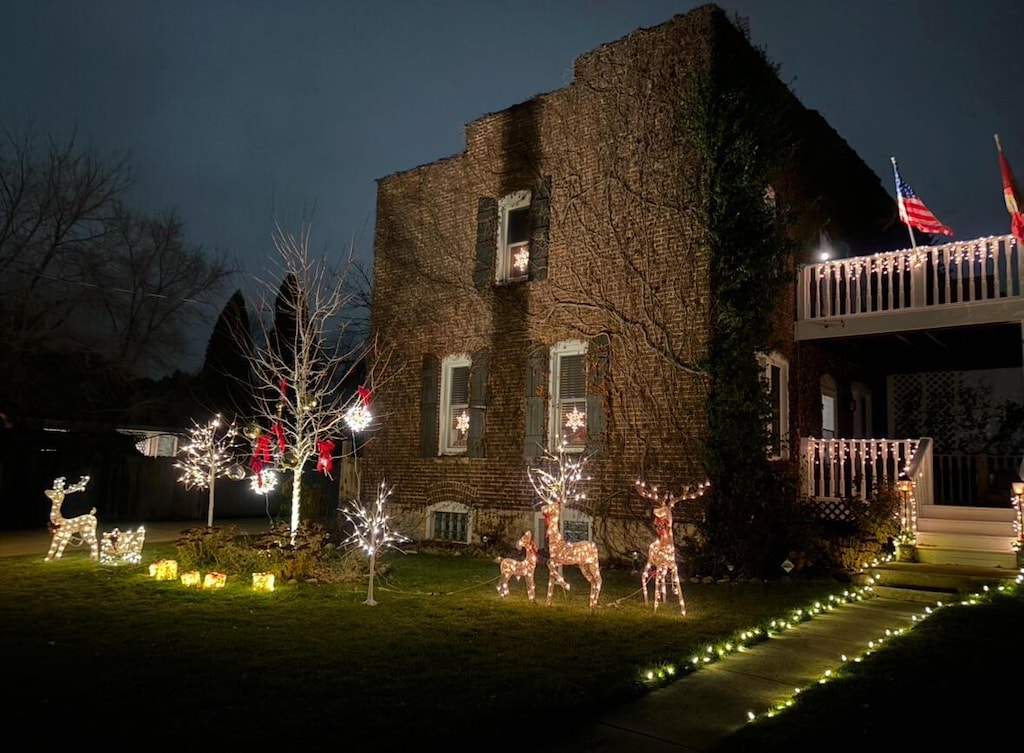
x=928, y=287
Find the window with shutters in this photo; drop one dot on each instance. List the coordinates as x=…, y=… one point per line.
x=454, y=405
x=568, y=407
x=513, y=255
x=776, y=382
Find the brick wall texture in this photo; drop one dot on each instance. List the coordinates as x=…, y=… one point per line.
x=626, y=259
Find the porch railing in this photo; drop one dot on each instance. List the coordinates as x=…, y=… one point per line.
x=854, y=468
x=975, y=480
x=926, y=277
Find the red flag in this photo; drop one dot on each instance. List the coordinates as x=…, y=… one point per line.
x=1011, y=193
x=913, y=211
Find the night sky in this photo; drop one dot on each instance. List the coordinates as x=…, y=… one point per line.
x=239, y=113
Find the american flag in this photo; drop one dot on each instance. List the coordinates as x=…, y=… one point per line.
x=913, y=211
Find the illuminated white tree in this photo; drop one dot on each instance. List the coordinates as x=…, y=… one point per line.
x=370, y=531
x=309, y=359
x=209, y=454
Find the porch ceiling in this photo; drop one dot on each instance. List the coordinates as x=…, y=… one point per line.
x=948, y=349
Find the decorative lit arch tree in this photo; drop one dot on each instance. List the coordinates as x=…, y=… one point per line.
x=209, y=454
x=304, y=370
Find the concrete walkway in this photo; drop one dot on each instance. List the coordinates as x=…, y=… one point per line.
x=699, y=710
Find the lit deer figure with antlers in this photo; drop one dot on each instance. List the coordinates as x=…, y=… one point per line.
x=554, y=490
x=64, y=529
x=519, y=569
x=661, y=554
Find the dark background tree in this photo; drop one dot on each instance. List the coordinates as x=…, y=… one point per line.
x=226, y=374
x=93, y=295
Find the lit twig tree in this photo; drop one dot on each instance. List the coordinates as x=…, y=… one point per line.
x=209, y=455
x=305, y=370
x=370, y=531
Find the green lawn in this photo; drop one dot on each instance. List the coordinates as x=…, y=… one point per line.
x=107, y=650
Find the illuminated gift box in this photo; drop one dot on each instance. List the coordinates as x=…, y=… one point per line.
x=262, y=581
x=164, y=569
x=215, y=580
x=191, y=578
x=118, y=546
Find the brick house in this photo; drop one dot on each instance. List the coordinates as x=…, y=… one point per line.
x=549, y=285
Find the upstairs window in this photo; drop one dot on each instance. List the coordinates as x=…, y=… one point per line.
x=454, y=404
x=568, y=409
x=513, y=255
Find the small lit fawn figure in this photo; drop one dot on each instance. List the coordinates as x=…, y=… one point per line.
x=64, y=529
x=520, y=569
x=661, y=554
x=554, y=490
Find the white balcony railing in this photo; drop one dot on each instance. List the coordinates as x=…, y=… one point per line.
x=926, y=277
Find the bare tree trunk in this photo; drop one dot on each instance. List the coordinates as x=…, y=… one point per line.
x=296, y=497
x=213, y=480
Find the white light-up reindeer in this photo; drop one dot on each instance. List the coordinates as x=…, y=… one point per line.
x=64, y=529
x=520, y=569
x=661, y=554
x=554, y=491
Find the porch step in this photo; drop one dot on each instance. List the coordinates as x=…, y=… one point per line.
x=966, y=527
x=967, y=536
x=929, y=583
x=956, y=554
x=980, y=543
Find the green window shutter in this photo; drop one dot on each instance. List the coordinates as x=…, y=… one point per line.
x=477, y=404
x=486, y=241
x=599, y=356
x=429, y=405
x=540, y=222
x=536, y=402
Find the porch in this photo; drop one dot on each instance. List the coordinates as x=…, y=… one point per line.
x=948, y=526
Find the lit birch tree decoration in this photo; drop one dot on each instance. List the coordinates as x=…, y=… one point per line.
x=308, y=353
x=370, y=531
x=207, y=456
x=556, y=489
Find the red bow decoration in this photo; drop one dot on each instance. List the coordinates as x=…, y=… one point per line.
x=325, y=463
x=279, y=433
x=364, y=394
x=260, y=454
x=284, y=386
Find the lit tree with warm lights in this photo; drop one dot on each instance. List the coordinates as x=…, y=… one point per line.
x=305, y=370
x=209, y=454
x=370, y=531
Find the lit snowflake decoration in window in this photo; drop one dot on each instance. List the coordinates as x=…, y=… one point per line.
x=521, y=260
x=575, y=420
x=462, y=422
x=263, y=482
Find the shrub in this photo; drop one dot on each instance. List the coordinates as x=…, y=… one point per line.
x=312, y=556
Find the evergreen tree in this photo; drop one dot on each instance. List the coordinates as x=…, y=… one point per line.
x=226, y=370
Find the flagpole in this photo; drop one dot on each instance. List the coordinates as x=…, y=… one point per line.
x=998, y=145
x=910, y=230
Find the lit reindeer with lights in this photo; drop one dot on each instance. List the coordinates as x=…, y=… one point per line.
x=554, y=491
x=64, y=529
x=661, y=554
x=520, y=569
